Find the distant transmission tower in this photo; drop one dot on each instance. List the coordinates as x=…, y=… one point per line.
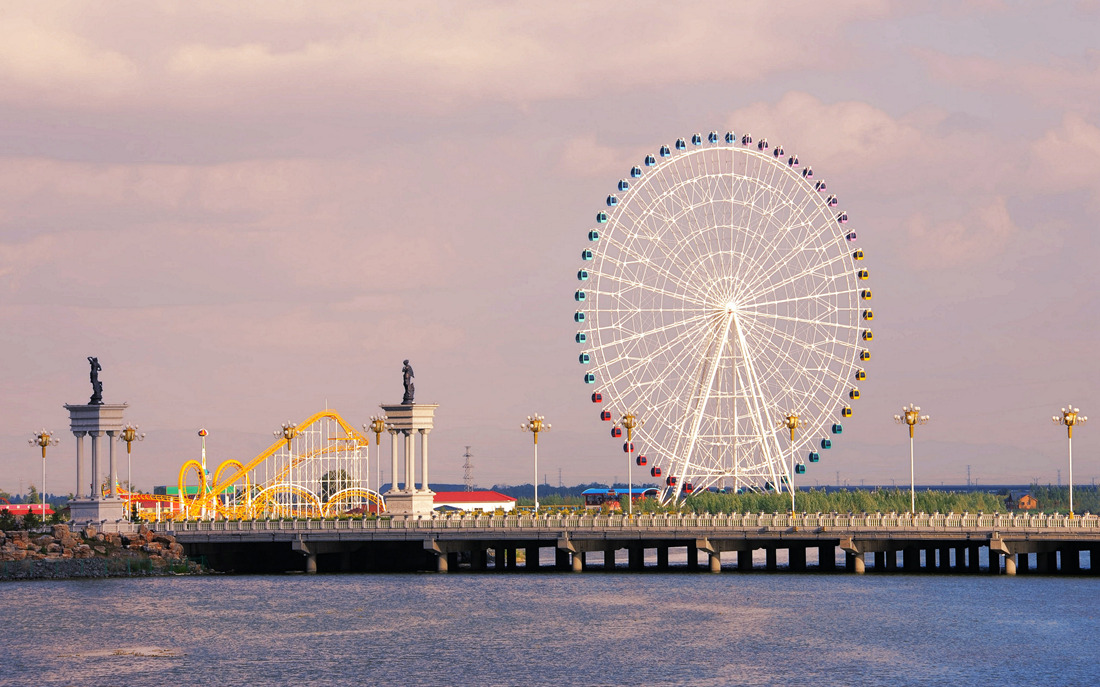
x=468, y=470
x=560, y=485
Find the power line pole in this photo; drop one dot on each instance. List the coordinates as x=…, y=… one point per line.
x=468, y=470
x=968, y=474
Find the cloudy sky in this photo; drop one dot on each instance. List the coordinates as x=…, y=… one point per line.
x=250, y=211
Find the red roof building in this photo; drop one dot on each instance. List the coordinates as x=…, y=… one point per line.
x=21, y=509
x=473, y=500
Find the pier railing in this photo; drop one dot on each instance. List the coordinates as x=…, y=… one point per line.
x=847, y=522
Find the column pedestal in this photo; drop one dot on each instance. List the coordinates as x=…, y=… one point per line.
x=408, y=421
x=97, y=421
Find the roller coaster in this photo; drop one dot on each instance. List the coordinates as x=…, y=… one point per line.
x=319, y=468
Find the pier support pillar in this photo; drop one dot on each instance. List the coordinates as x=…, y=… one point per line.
x=561, y=559
x=1071, y=560
x=441, y=563
x=826, y=557
x=972, y=562
x=662, y=558
x=859, y=565
x=891, y=560
x=796, y=558
x=744, y=560
x=532, y=564
x=636, y=558
x=609, y=559
x=769, y=559
x=1044, y=562
x=880, y=561
x=1010, y=564
x=510, y=558
x=994, y=562
x=945, y=559
x=693, y=558
x=715, y=561
x=311, y=564
x=1023, y=563
x=910, y=558
x=577, y=564
x=1094, y=567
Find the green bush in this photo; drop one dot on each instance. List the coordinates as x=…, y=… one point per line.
x=846, y=501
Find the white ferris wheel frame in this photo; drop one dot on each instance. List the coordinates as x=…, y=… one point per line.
x=719, y=292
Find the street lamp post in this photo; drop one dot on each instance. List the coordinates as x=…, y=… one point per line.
x=792, y=423
x=377, y=425
x=43, y=438
x=129, y=434
x=535, y=424
x=1069, y=418
x=630, y=421
x=911, y=416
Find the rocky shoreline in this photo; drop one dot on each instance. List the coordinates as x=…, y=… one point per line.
x=89, y=553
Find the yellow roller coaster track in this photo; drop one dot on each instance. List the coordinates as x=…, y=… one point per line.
x=206, y=493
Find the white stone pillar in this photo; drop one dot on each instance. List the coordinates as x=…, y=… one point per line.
x=393, y=469
x=94, y=493
x=410, y=462
x=424, y=459
x=112, y=492
x=79, y=463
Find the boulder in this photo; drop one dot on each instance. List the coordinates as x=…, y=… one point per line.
x=164, y=539
x=44, y=540
x=60, y=531
x=83, y=551
x=53, y=547
x=90, y=531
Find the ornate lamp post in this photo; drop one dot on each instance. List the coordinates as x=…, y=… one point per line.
x=911, y=416
x=43, y=438
x=377, y=425
x=288, y=431
x=1069, y=418
x=535, y=424
x=792, y=423
x=129, y=434
x=629, y=421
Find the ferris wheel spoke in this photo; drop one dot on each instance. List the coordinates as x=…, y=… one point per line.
x=637, y=336
x=817, y=269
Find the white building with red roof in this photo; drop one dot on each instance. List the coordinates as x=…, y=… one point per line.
x=487, y=501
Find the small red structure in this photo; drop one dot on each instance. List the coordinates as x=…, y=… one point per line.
x=21, y=509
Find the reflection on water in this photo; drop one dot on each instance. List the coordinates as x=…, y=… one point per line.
x=586, y=629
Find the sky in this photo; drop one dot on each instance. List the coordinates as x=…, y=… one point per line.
x=253, y=211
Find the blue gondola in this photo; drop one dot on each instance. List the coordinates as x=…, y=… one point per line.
x=665, y=152
x=582, y=275
x=799, y=469
x=584, y=358
x=601, y=217
x=586, y=254
x=628, y=447
x=612, y=201
x=731, y=137
x=712, y=137
x=641, y=461
x=635, y=172
x=680, y=144
x=814, y=457
x=597, y=397
x=696, y=139
x=593, y=235
x=624, y=185
x=826, y=444
x=838, y=428
x=580, y=296
x=578, y=316
x=589, y=378
x=581, y=337
x=650, y=160
x=768, y=486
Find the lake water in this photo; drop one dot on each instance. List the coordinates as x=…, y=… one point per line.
x=562, y=629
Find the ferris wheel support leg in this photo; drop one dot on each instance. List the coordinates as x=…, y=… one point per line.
x=761, y=415
x=700, y=410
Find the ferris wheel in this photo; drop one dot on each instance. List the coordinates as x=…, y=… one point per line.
x=721, y=294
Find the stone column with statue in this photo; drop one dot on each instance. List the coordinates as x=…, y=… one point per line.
x=410, y=419
x=96, y=418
